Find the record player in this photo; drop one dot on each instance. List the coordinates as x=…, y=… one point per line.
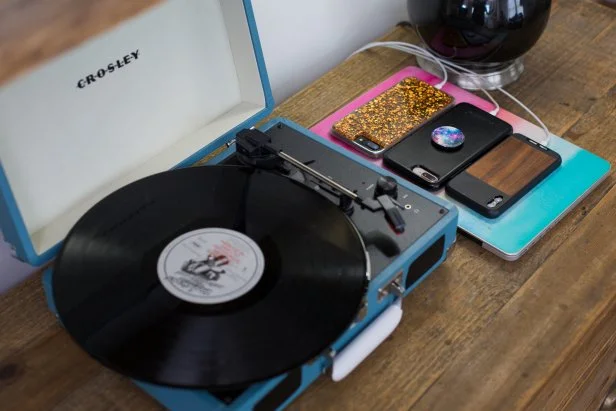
x=103, y=150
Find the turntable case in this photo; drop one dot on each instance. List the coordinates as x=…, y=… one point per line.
x=159, y=91
x=163, y=90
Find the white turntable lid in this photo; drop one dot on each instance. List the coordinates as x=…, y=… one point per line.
x=134, y=101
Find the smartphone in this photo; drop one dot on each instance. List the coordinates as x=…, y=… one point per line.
x=383, y=121
x=426, y=163
x=504, y=175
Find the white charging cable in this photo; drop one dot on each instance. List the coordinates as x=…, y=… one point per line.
x=515, y=100
x=446, y=65
x=410, y=48
x=533, y=115
x=418, y=51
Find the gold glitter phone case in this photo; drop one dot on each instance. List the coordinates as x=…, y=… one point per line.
x=388, y=118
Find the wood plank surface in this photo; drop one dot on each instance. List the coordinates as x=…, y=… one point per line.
x=479, y=333
x=33, y=31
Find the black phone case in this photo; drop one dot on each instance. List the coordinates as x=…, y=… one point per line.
x=482, y=131
x=476, y=193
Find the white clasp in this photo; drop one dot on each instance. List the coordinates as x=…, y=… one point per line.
x=353, y=354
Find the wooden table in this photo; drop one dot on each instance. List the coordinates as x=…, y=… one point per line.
x=479, y=333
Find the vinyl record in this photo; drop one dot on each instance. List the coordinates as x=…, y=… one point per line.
x=211, y=277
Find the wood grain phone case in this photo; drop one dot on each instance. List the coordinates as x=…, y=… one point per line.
x=389, y=117
x=504, y=175
x=481, y=130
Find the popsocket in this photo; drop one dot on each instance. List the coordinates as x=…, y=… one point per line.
x=447, y=137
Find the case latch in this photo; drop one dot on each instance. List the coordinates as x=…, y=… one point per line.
x=366, y=342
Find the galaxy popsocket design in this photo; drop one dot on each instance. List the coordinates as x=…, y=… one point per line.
x=447, y=138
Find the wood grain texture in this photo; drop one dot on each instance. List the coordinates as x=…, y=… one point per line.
x=33, y=31
x=480, y=333
x=537, y=330
x=451, y=309
x=511, y=166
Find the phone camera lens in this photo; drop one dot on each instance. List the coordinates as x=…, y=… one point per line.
x=495, y=201
x=428, y=176
x=370, y=145
x=423, y=174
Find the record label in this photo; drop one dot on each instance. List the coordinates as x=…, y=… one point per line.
x=211, y=266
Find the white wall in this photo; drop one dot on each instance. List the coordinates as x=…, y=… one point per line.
x=301, y=41
x=304, y=39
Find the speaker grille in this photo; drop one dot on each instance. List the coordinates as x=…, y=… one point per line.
x=425, y=262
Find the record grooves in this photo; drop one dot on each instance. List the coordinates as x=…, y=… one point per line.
x=210, y=277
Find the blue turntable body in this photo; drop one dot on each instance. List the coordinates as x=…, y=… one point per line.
x=399, y=262
x=407, y=231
